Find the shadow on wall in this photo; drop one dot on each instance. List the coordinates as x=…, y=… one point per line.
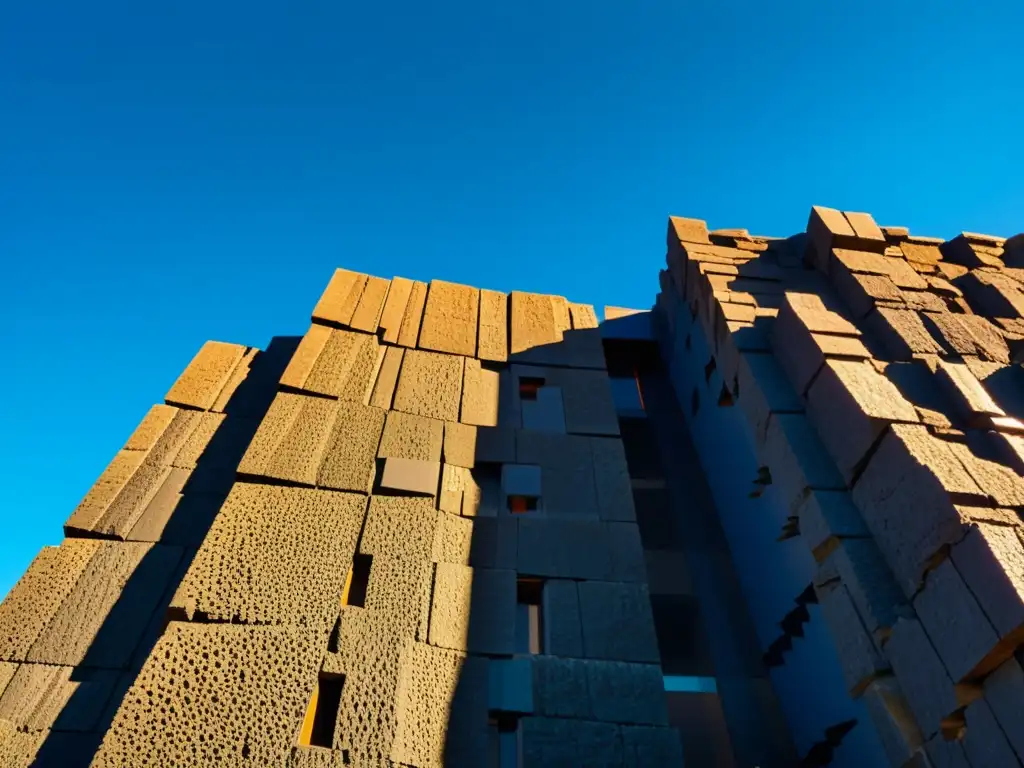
x=106, y=663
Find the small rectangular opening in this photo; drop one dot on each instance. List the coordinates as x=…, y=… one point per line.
x=503, y=731
x=322, y=712
x=518, y=505
x=529, y=616
x=357, y=581
x=528, y=386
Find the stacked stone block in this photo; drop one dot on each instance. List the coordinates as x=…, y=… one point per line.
x=344, y=507
x=877, y=372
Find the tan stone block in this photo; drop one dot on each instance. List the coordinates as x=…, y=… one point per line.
x=450, y=318
x=204, y=378
x=923, y=301
x=902, y=333
x=387, y=378
x=862, y=292
x=460, y=444
x=106, y=489
x=480, y=395
x=394, y=309
x=304, y=360
x=409, y=334
x=859, y=659
x=583, y=316
x=851, y=404
x=863, y=262
x=802, y=353
x=298, y=455
x=905, y=276
x=864, y=226
x=533, y=322
x=824, y=227
x=348, y=463
x=992, y=294
x=911, y=495
x=743, y=313
x=411, y=437
x=950, y=333
x=687, y=231
x=341, y=297
x=39, y=593
x=966, y=391
x=794, y=454
x=333, y=366
x=991, y=561
x=816, y=316
x=151, y=428
x=972, y=252
x=430, y=384
x=921, y=253
x=1003, y=485
x=492, y=336
x=273, y=429
x=990, y=343
x=371, y=304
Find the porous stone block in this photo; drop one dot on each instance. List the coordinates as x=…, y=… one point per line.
x=410, y=331
x=394, y=309
x=340, y=299
x=215, y=693
x=794, y=454
x=430, y=384
x=492, y=336
x=563, y=629
x=568, y=549
x=450, y=319
x=202, y=381
x=480, y=395
x=274, y=555
x=871, y=585
x=348, y=463
x=371, y=304
x=495, y=542
x=827, y=516
x=1004, y=690
x=387, y=378
x=909, y=495
x=453, y=539
x=273, y=429
x=858, y=657
x=411, y=437
x=39, y=593
x=611, y=474
x=473, y=609
x=990, y=559
x=411, y=476
x=401, y=527
x=567, y=471
x=460, y=444
x=902, y=333
x=587, y=399
x=606, y=607
x=102, y=619
x=535, y=332
x=151, y=428
x=851, y=404
x=762, y=389
x=560, y=687
x=441, y=708
x=626, y=693
x=827, y=228
x=299, y=455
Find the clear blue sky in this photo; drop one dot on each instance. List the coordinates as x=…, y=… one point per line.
x=173, y=172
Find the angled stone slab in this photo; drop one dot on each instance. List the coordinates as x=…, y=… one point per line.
x=492, y=336
x=202, y=381
x=450, y=318
x=430, y=384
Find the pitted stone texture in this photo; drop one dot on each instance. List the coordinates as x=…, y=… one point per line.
x=611, y=473
x=348, y=463
x=643, y=746
x=400, y=527
x=309, y=352
x=17, y=748
x=450, y=318
x=273, y=429
x=460, y=444
x=151, y=428
x=587, y=397
x=371, y=304
x=453, y=540
x=7, y=670
x=200, y=385
x=411, y=437
x=39, y=593
x=40, y=697
x=387, y=378
x=441, y=708
x=369, y=657
x=858, y=658
x=492, y=337
x=480, y=395
x=557, y=741
x=430, y=384
x=567, y=469
x=298, y=456
x=274, y=556
x=533, y=325
x=214, y=694
x=607, y=607
x=560, y=687
x=341, y=366
x=473, y=610
x=394, y=309
x=563, y=627
x=194, y=445
x=626, y=693
x=410, y=330
x=341, y=297
x=317, y=757
x=102, y=619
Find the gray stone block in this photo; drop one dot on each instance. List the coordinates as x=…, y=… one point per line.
x=548, y=742
x=598, y=745
x=627, y=553
x=473, y=609
x=495, y=543
x=643, y=747
x=858, y=657
x=510, y=685
x=617, y=622
x=569, y=549
x=560, y=687
x=626, y=693
x=563, y=629
x=521, y=480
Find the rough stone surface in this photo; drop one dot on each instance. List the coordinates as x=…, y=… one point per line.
x=411, y=437
x=605, y=608
x=202, y=381
x=480, y=395
x=492, y=338
x=450, y=319
x=473, y=609
x=430, y=384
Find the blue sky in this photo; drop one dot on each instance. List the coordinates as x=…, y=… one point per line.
x=173, y=172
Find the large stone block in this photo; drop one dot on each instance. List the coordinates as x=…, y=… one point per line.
x=450, y=319
x=1004, y=690
x=430, y=384
x=411, y=437
x=371, y=304
x=492, y=336
x=214, y=693
x=826, y=517
x=562, y=625
x=643, y=746
x=340, y=299
x=567, y=470
x=991, y=561
x=893, y=721
x=274, y=556
x=607, y=607
x=387, y=378
x=410, y=331
x=348, y=458
x=568, y=549
x=560, y=687
x=473, y=609
x=626, y=693
x=393, y=312
x=202, y=381
x=611, y=474
x=798, y=462
x=858, y=657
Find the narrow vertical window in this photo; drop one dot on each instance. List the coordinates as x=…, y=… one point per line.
x=357, y=581
x=503, y=731
x=529, y=616
x=322, y=713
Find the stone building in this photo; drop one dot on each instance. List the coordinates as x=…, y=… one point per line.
x=773, y=521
